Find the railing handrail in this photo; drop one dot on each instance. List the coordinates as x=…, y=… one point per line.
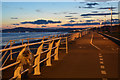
x=24, y=45
x=46, y=37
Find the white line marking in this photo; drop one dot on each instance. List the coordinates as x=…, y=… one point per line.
x=102, y=67
x=101, y=62
x=103, y=72
x=104, y=79
x=91, y=42
x=100, y=56
x=101, y=59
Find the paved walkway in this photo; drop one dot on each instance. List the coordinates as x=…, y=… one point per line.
x=96, y=61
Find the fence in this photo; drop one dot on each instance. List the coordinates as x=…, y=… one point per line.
x=48, y=46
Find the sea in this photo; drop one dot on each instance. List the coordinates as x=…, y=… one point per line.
x=5, y=37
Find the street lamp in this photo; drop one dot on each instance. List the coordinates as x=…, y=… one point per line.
x=101, y=26
x=111, y=16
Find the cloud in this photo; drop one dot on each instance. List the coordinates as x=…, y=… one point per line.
x=81, y=24
x=108, y=8
x=73, y=13
x=43, y=26
x=87, y=17
x=21, y=8
x=68, y=16
x=14, y=18
x=15, y=24
x=89, y=20
x=72, y=18
x=40, y=22
x=94, y=11
x=79, y=7
x=89, y=7
x=85, y=24
x=92, y=4
x=99, y=14
x=99, y=0
x=71, y=21
x=64, y=12
x=37, y=10
x=61, y=13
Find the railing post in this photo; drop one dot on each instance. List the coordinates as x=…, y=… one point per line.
x=25, y=57
x=37, y=60
x=56, y=50
x=19, y=69
x=43, y=38
x=48, y=62
x=28, y=41
x=53, y=37
x=22, y=41
x=80, y=35
x=11, y=51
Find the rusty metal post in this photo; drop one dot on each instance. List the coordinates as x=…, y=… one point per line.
x=37, y=60
x=48, y=62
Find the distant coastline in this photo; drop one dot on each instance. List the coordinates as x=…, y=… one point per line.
x=27, y=30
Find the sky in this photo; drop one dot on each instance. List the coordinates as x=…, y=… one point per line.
x=72, y=14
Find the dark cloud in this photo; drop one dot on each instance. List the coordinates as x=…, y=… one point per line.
x=40, y=22
x=37, y=10
x=83, y=24
x=87, y=17
x=94, y=11
x=71, y=21
x=72, y=18
x=81, y=21
x=108, y=8
x=73, y=13
x=79, y=7
x=14, y=18
x=64, y=12
x=21, y=8
x=43, y=26
x=89, y=20
x=55, y=13
x=15, y=24
x=92, y=4
x=89, y=7
x=68, y=16
x=99, y=14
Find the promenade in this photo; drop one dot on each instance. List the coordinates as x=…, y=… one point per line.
x=92, y=57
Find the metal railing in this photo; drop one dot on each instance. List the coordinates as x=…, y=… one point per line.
x=50, y=47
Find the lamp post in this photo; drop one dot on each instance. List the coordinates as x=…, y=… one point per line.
x=101, y=26
x=111, y=18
